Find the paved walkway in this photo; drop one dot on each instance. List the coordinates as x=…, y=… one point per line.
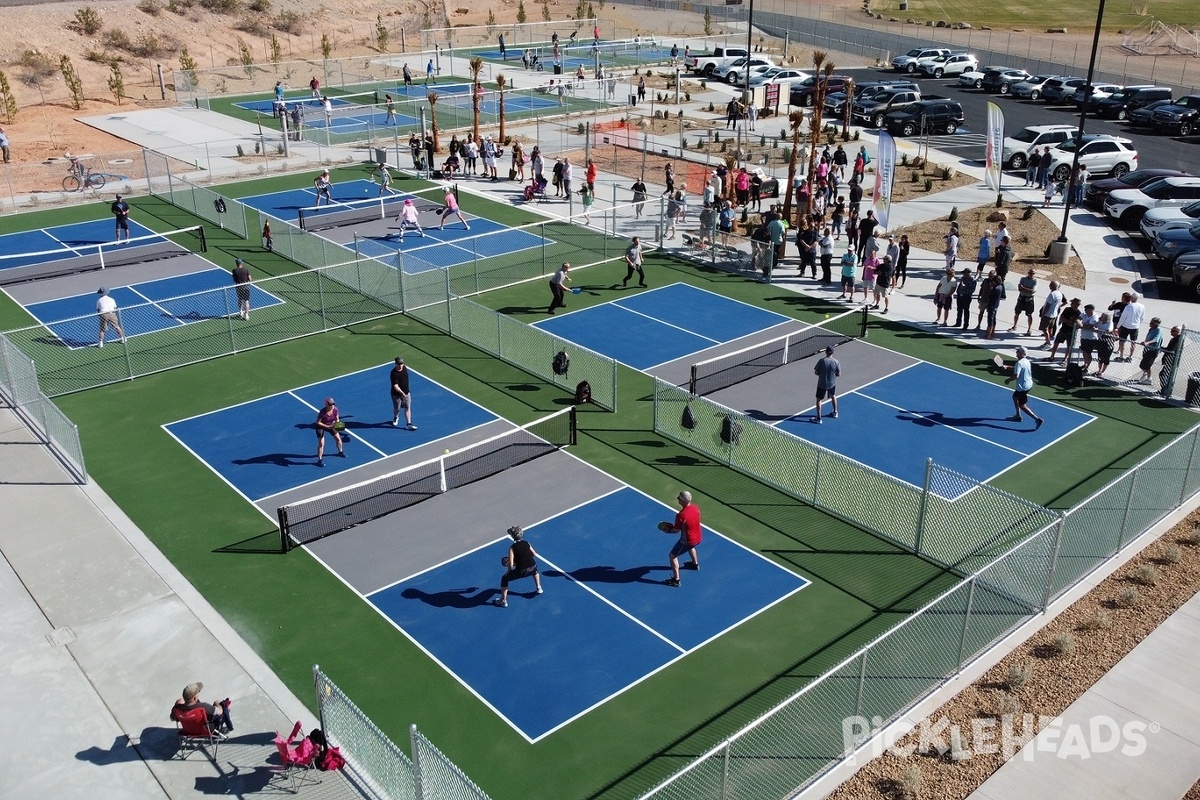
x=102, y=632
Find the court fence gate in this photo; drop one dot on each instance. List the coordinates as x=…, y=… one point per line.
x=22, y=392
x=378, y=762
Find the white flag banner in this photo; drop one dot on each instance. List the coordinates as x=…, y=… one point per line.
x=995, y=146
x=885, y=172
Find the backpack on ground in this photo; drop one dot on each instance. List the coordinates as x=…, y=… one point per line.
x=583, y=393
x=561, y=363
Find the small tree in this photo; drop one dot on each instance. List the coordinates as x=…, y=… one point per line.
x=86, y=21
x=476, y=64
x=116, y=81
x=580, y=9
x=276, y=50
x=545, y=10
x=432, y=97
x=8, y=99
x=796, y=121
x=187, y=65
x=326, y=46
x=71, y=79
x=708, y=28
x=521, y=12
x=848, y=88
x=491, y=23
x=381, y=34
x=500, y=83
x=245, y=56
x=824, y=69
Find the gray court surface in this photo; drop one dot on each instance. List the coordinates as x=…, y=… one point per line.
x=125, y=275
x=679, y=371
x=392, y=548
x=386, y=229
x=790, y=390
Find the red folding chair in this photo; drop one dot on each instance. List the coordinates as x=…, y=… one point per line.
x=299, y=763
x=194, y=733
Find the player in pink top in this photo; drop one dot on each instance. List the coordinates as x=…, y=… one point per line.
x=452, y=208
x=687, y=525
x=407, y=218
x=327, y=420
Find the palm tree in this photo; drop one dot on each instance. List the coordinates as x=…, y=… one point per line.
x=796, y=120
x=816, y=122
x=476, y=67
x=848, y=88
x=500, y=82
x=432, y=97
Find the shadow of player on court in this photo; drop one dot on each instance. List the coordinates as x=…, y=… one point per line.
x=277, y=460
x=930, y=418
x=607, y=574
x=470, y=597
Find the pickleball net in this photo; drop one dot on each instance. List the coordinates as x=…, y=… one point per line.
x=338, y=510
x=354, y=212
x=729, y=369
x=20, y=267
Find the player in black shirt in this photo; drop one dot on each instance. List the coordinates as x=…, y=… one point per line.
x=521, y=563
x=401, y=396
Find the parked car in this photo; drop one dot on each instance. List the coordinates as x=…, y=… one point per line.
x=948, y=64
x=908, y=61
x=1034, y=137
x=1170, y=245
x=735, y=72
x=1182, y=116
x=1158, y=220
x=1097, y=191
x=1030, y=88
x=835, y=102
x=1130, y=99
x=777, y=75
x=1100, y=153
x=872, y=110
x=1100, y=92
x=973, y=78
x=1128, y=206
x=705, y=63
x=1186, y=271
x=1058, y=91
x=932, y=115
x=1140, y=117
x=804, y=92
x=1001, y=80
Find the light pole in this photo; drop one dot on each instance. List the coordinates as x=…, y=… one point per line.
x=1060, y=248
x=746, y=79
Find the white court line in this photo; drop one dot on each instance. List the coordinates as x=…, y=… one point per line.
x=617, y=303
x=166, y=427
x=1020, y=453
x=364, y=441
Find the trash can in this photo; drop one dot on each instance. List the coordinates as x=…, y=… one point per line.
x=633, y=99
x=1193, y=389
x=558, y=69
x=380, y=155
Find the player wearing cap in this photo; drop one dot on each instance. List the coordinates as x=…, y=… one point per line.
x=401, y=395
x=827, y=371
x=120, y=210
x=452, y=209
x=327, y=420
x=521, y=562
x=407, y=218
x=217, y=716
x=558, y=282
x=687, y=525
x=1023, y=375
x=106, y=310
x=241, y=283
x=324, y=188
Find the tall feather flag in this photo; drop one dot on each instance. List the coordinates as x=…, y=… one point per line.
x=885, y=173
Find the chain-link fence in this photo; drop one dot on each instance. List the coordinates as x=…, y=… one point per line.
x=22, y=392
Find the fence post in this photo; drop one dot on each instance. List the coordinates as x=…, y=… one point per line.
x=962, y=636
x=316, y=672
x=1176, y=357
x=1133, y=476
x=1058, y=534
x=862, y=682
x=924, y=505
x=725, y=770
x=418, y=781
x=816, y=479
x=321, y=299
x=1183, y=491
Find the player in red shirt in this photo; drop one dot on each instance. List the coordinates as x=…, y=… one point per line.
x=327, y=420
x=687, y=525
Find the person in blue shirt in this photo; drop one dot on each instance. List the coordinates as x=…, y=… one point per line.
x=1023, y=375
x=1151, y=347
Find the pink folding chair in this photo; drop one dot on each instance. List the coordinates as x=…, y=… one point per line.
x=299, y=762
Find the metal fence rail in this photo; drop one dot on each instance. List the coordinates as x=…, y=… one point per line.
x=22, y=391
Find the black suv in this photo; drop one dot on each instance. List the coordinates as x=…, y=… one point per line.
x=835, y=102
x=804, y=93
x=926, y=116
x=1129, y=99
x=1183, y=116
x=1001, y=79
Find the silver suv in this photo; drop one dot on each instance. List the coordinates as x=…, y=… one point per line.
x=908, y=61
x=949, y=64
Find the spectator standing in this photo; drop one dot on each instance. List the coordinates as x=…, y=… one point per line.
x=856, y=195
x=590, y=175
x=883, y=284
x=1049, y=313
x=866, y=233
x=1031, y=168
x=964, y=294
x=639, y=197
x=951, y=249
x=996, y=295
x=408, y=79
x=943, y=297
x=1068, y=319
x=902, y=261
x=1128, y=326
x=503, y=49
x=807, y=240
x=1151, y=346
x=984, y=255
x=1043, y=171
x=1004, y=258
x=1088, y=335
x=268, y=239
x=1104, y=343
x=568, y=172
x=4, y=145
x=1169, y=351
x=848, y=274
x=826, y=247
x=1026, y=289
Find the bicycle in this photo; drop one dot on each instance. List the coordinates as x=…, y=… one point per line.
x=80, y=177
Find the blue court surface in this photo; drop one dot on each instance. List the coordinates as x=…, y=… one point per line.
x=267, y=446
x=605, y=622
x=650, y=328
x=149, y=306
x=437, y=249
x=48, y=244
x=895, y=423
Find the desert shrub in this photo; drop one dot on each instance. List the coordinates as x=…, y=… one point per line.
x=151, y=7
x=1063, y=644
x=916, y=176
x=259, y=6
x=1018, y=676
x=288, y=22
x=36, y=67
x=97, y=56
x=929, y=184
x=222, y=6
x=1007, y=704
x=1171, y=555
x=911, y=782
x=1128, y=597
x=252, y=24
x=1029, y=212
x=180, y=7
x=1192, y=537
x=1099, y=621
x=1146, y=575
x=86, y=21
x=117, y=39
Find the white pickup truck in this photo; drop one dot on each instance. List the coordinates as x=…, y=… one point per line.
x=706, y=63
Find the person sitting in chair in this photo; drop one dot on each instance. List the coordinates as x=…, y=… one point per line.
x=450, y=166
x=219, y=720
